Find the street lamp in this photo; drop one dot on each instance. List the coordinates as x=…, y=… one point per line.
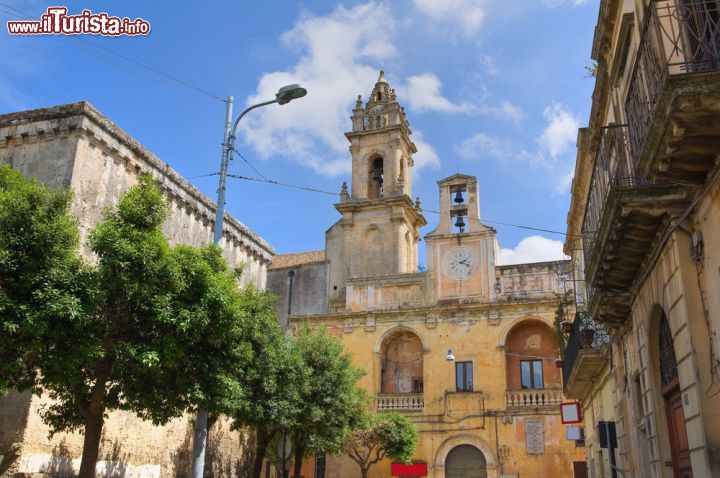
x=284, y=95
x=450, y=357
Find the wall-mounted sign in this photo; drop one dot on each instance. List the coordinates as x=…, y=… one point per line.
x=570, y=412
x=413, y=469
x=534, y=439
x=574, y=433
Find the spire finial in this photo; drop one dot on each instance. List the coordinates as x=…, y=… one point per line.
x=381, y=78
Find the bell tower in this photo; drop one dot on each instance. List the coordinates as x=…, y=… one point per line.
x=379, y=231
x=380, y=145
x=461, y=251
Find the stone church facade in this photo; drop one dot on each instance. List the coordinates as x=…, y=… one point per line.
x=74, y=146
x=493, y=409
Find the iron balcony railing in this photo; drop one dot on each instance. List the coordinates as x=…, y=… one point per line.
x=677, y=37
x=614, y=168
x=586, y=333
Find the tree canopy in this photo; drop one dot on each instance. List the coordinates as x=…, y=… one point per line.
x=388, y=435
x=145, y=327
x=332, y=404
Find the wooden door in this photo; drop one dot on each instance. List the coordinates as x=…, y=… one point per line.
x=678, y=435
x=580, y=469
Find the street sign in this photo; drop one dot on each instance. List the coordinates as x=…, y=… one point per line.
x=570, y=412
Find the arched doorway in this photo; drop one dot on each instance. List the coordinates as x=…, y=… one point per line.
x=670, y=388
x=465, y=461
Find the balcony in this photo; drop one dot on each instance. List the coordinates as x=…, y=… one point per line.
x=673, y=102
x=624, y=215
x=531, y=398
x=584, y=356
x=400, y=402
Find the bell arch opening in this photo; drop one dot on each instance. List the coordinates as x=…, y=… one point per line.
x=376, y=177
x=401, y=360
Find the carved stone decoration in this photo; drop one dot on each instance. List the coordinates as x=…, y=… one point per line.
x=494, y=317
x=370, y=323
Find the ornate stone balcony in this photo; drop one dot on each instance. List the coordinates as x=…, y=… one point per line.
x=584, y=355
x=673, y=102
x=400, y=402
x=533, y=398
x=624, y=214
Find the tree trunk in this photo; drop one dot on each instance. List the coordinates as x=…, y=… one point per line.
x=264, y=437
x=91, y=443
x=299, y=452
x=364, y=471
x=93, y=418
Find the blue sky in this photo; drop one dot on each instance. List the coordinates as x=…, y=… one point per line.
x=496, y=89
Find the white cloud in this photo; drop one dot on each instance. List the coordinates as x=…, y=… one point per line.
x=561, y=131
x=426, y=155
x=554, y=145
x=468, y=14
x=533, y=249
x=483, y=146
x=336, y=53
x=563, y=186
x=423, y=93
x=560, y=3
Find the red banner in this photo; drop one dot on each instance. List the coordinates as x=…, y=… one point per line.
x=415, y=469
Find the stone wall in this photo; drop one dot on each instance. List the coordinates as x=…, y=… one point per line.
x=75, y=146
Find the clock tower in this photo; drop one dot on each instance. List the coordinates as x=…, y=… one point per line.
x=379, y=230
x=461, y=251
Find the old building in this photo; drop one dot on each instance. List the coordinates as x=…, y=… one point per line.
x=644, y=236
x=75, y=146
x=465, y=349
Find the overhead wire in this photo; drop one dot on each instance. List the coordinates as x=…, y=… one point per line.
x=312, y=189
x=171, y=80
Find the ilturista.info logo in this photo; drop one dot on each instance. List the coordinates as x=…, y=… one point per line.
x=57, y=22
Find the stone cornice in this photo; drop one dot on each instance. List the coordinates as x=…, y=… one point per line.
x=235, y=230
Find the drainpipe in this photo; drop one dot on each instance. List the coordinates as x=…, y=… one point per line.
x=291, y=274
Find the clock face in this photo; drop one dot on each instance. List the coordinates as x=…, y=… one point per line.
x=460, y=262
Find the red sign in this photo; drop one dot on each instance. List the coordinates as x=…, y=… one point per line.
x=414, y=469
x=570, y=412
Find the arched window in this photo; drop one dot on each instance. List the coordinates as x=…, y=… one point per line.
x=401, y=355
x=376, y=178
x=529, y=355
x=666, y=348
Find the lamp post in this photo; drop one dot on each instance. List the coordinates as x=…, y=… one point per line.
x=284, y=95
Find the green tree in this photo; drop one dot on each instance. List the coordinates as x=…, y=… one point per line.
x=146, y=328
x=38, y=258
x=388, y=435
x=273, y=381
x=331, y=403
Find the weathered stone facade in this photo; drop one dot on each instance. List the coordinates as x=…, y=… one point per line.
x=644, y=235
x=74, y=146
x=399, y=323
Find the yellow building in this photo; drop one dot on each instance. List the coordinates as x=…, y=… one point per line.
x=492, y=410
x=644, y=235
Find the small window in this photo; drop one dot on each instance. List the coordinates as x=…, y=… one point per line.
x=531, y=373
x=417, y=385
x=464, y=376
